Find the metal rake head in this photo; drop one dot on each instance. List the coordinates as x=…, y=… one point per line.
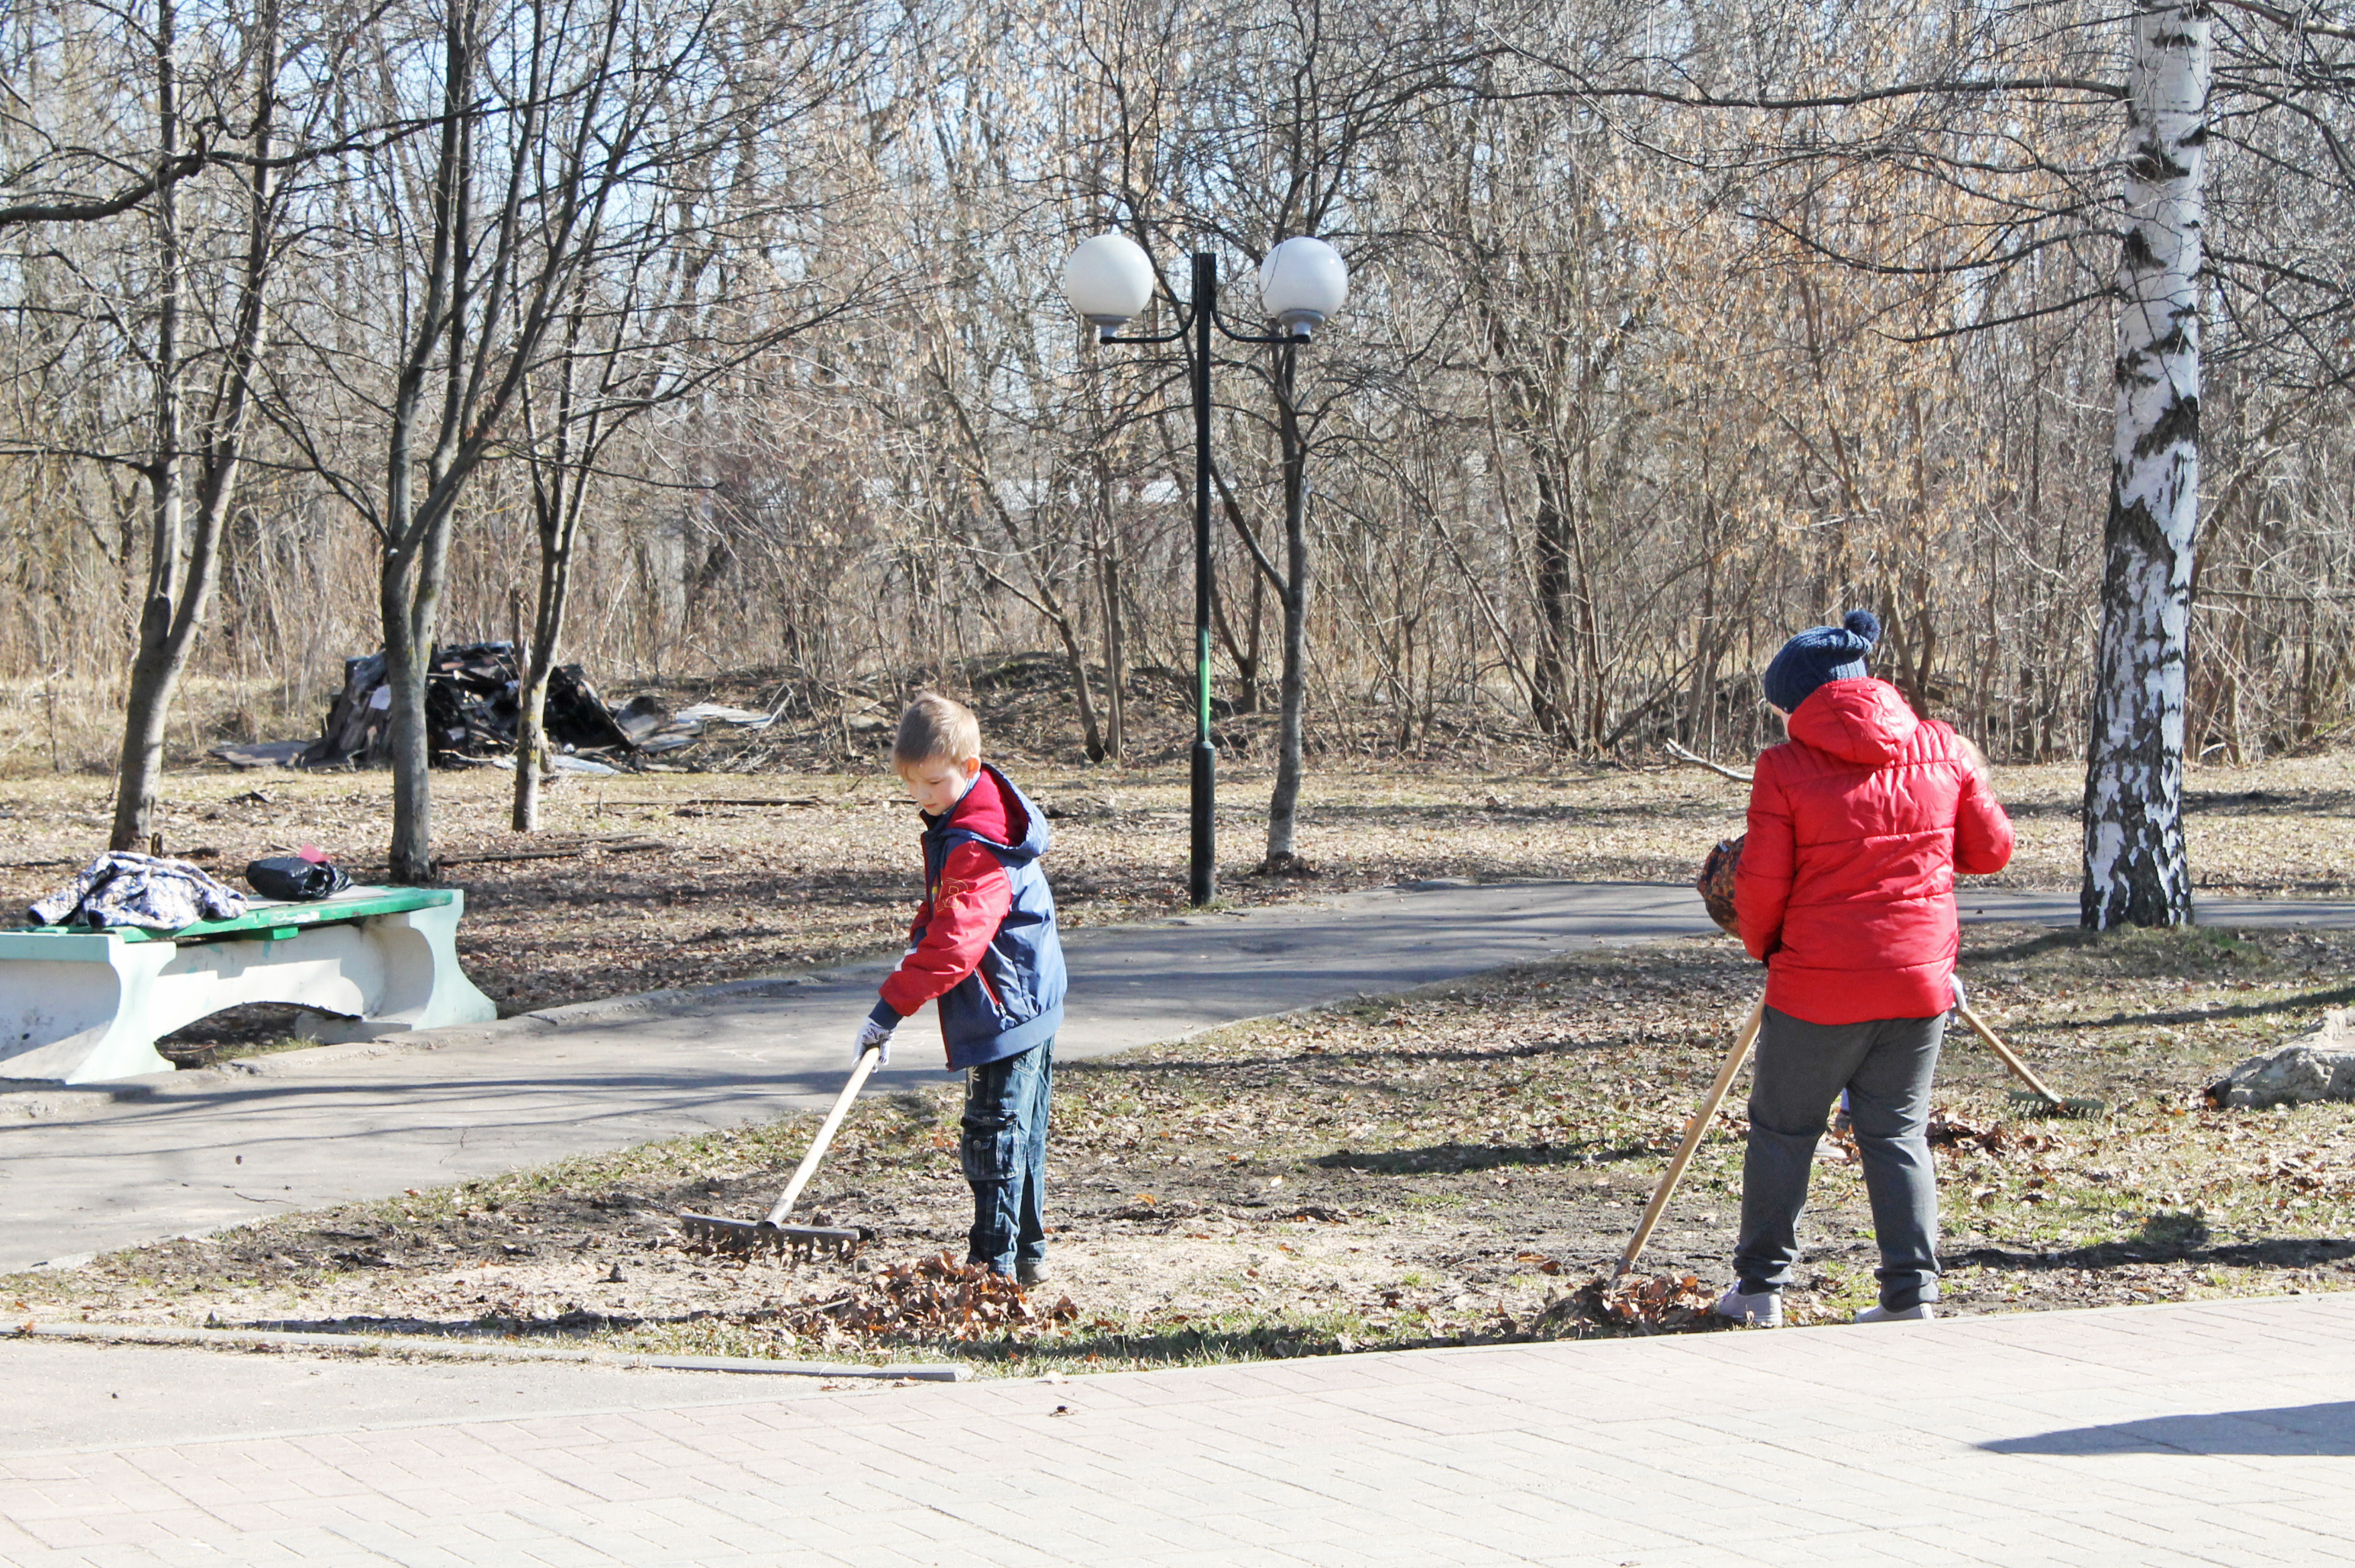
x=2030, y=1101
x=797, y=1241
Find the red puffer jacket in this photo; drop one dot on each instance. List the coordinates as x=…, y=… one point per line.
x=1858, y=825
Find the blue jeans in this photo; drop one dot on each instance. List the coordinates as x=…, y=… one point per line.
x=1004, y=1156
x=1886, y=1067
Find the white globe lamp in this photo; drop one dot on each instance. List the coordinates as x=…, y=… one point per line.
x=1302, y=283
x=1108, y=280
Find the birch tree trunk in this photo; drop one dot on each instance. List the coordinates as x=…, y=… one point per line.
x=2136, y=870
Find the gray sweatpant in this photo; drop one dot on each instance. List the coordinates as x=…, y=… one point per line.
x=1885, y=1066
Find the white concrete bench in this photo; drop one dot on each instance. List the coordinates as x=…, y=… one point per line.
x=80, y=1005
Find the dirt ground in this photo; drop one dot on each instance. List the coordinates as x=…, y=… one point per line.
x=1444, y=1167
x=643, y=881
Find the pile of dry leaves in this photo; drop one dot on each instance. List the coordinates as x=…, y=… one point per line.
x=936, y=1297
x=1635, y=1304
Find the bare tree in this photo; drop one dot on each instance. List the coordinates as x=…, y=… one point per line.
x=1673, y=330
x=674, y=297
x=555, y=130
x=210, y=104
x=182, y=553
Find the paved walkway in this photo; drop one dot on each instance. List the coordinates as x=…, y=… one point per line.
x=191, y=1152
x=2214, y=1433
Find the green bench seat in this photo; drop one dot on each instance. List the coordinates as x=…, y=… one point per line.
x=82, y=1006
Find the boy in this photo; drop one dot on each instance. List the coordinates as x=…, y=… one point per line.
x=983, y=946
x=1845, y=891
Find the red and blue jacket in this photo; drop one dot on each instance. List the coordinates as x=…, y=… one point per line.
x=983, y=942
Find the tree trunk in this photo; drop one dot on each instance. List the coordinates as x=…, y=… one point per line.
x=556, y=536
x=1589, y=630
x=153, y=670
x=1246, y=654
x=183, y=562
x=405, y=658
x=1076, y=656
x=416, y=542
x=1292, y=694
x=2136, y=868
x=560, y=483
x=1700, y=705
x=1246, y=698
x=1552, y=549
x=1115, y=651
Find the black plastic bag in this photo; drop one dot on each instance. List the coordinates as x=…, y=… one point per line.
x=294, y=877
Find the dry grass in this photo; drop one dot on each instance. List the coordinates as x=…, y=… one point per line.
x=732, y=891
x=1435, y=1167
x=1441, y=1166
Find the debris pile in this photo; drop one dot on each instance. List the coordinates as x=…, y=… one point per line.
x=473, y=710
x=938, y=1296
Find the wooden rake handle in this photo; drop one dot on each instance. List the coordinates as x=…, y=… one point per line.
x=1694, y=1131
x=2019, y=1068
x=808, y=1167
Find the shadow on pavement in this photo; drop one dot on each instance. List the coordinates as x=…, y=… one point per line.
x=2279, y=1252
x=2321, y=1431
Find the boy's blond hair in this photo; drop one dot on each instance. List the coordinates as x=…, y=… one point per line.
x=935, y=729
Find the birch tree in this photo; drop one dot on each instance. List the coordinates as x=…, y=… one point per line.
x=2135, y=868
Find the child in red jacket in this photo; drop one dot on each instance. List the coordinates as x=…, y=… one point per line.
x=1845, y=891
x=983, y=948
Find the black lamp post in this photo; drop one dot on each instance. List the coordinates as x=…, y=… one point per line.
x=1109, y=280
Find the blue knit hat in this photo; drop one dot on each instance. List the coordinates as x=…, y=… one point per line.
x=1817, y=654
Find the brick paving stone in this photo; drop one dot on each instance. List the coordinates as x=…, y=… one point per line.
x=2078, y=1438
x=874, y=1554
x=1223, y=1557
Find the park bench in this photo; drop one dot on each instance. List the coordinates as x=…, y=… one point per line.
x=81, y=1005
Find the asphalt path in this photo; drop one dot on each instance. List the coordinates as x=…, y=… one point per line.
x=88, y=1170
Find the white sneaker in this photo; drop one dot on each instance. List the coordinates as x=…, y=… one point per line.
x=1920, y=1312
x=1762, y=1309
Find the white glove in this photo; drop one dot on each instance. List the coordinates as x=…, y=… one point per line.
x=872, y=1035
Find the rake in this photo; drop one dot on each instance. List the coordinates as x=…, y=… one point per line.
x=2036, y=1092
x=1697, y=1127
x=1694, y=1130
x=769, y=1233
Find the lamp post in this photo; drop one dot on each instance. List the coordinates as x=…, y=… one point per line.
x=1108, y=281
